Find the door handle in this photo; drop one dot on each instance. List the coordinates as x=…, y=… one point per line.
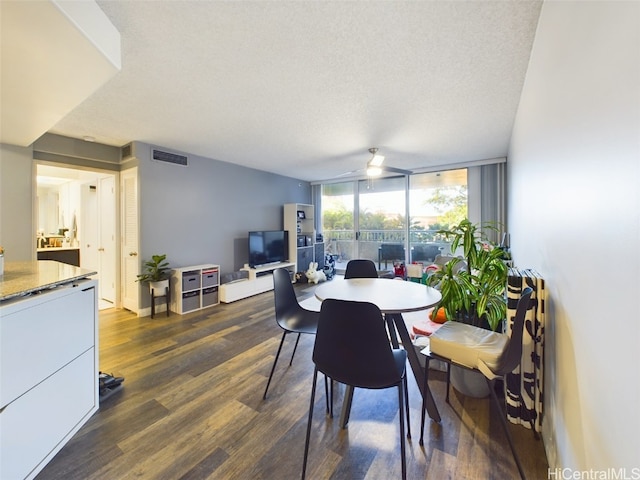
x=133, y=254
x=101, y=249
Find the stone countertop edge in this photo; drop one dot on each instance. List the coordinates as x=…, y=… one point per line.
x=56, y=249
x=24, y=278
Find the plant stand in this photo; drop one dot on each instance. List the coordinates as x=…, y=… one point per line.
x=161, y=287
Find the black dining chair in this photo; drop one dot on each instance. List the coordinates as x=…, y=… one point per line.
x=490, y=353
x=361, y=268
x=352, y=347
x=290, y=316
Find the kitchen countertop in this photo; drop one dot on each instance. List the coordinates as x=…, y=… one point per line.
x=56, y=249
x=23, y=278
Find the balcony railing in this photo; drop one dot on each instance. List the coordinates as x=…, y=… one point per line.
x=422, y=243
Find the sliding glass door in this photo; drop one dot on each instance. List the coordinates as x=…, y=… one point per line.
x=359, y=217
x=338, y=221
x=437, y=200
x=368, y=218
x=382, y=221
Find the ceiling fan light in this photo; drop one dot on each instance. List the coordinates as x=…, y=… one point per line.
x=373, y=171
x=377, y=160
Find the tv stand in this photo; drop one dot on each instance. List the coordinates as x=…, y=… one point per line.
x=260, y=280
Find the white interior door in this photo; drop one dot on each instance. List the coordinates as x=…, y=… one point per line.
x=88, y=231
x=107, y=250
x=130, y=263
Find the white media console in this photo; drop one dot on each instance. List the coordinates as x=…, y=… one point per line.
x=260, y=280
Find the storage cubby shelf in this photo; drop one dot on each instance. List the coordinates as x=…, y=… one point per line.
x=194, y=288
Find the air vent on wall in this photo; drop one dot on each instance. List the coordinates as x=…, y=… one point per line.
x=174, y=158
x=126, y=152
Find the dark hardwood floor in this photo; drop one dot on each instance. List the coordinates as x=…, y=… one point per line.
x=192, y=408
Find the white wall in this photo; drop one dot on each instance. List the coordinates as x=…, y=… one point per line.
x=574, y=215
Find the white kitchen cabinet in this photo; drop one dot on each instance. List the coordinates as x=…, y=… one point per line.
x=48, y=374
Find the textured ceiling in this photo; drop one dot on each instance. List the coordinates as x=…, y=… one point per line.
x=303, y=89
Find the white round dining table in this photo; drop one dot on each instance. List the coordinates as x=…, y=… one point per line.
x=389, y=295
x=393, y=297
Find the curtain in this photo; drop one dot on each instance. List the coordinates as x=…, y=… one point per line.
x=527, y=381
x=493, y=199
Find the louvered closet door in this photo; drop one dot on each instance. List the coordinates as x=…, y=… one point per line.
x=130, y=260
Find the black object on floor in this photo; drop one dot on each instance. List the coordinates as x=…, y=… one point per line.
x=108, y=385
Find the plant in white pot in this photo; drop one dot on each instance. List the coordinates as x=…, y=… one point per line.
x=472, y=288
x=156, y=273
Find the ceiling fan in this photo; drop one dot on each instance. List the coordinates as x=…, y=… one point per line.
x=376, y=168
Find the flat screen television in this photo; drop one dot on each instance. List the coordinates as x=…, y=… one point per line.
x=268, y=247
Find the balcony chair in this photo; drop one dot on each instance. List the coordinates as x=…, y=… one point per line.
x=390, y=251
x=424, y=252
x=352, y=347
x=492, y=354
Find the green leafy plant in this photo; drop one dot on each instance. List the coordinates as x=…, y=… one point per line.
x=472, y=287
x=155, y=270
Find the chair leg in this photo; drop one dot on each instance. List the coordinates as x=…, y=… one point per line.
x=295, y=347
x=346, y=406
x=306, y=441
x=448, y=381
x=402, y=446
x=329, y=394
x=406, y=404
x=273, y=368
x=424, y=399
x=331, y=413
x=505, y=426
x=391, y=329
x=326, y=395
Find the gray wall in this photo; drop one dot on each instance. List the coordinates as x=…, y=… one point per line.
x=202, y=213
x=574, y=215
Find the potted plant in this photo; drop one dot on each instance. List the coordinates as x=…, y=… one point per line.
x=473, y=290
x=473, y=286
x=156, y=273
